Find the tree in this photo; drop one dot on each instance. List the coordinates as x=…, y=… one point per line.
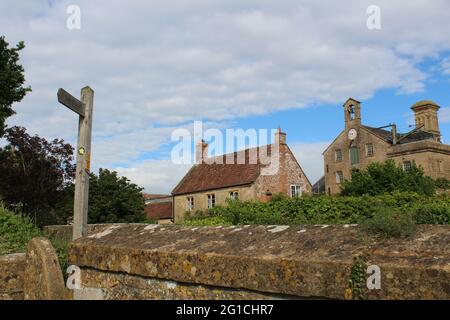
x=112, y=199
x=35, y=173
x=11, y=80
x=380, y=178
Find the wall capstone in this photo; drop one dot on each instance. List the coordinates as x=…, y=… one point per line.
x=136, y=261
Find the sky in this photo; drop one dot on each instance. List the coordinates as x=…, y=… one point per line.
x=157, y=66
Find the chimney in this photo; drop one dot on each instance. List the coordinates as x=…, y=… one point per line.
x=280, y=137
x=394, y=133
x=426, y=115
x=201, y=151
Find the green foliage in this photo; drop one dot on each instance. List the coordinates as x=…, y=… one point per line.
x=388, y=222
x=326, y=210
x=11, y=80
x=380, y=178
x=442, y=183
x=61, y=247
x=357, y=278
x=34, y=173
x=112, y=199
x=15, y=231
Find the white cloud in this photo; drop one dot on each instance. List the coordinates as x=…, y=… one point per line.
x=309, y=156
x=445, y=64
x=155, y=65
x=155, y=176
x=444, y=115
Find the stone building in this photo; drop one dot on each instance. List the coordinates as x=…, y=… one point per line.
x=358, y=145
x=250, y=174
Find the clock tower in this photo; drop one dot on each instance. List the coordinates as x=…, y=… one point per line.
x=352, y=113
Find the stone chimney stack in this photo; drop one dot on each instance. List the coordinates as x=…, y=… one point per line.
x=280, y=137
x=426, y=114
x=201, y=151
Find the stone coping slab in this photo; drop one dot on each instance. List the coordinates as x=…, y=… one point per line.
x=303, y=261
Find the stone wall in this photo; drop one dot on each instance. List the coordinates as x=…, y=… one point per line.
x=34, y=275
x=12, y=269
x=254, y=262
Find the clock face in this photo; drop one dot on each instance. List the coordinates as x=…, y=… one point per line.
x=352, y=134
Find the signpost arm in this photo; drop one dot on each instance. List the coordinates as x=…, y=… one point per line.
x=83, y=165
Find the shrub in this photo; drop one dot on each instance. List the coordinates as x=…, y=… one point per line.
x=389, y=222
x=442, y=183
x=15, y=231
x=328, y=210
x=381, y=178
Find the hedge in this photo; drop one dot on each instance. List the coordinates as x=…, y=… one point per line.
x=326, y=210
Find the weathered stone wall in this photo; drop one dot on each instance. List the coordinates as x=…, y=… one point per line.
x=176, y=262
x=35, y=275
x=12, y=268
x=64, y=232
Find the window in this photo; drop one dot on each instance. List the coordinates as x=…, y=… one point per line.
x=351, y=112
x=296, y=190
x=211, y=200
x=327, y=169
x=234, y=195
x=339, y=177
x=354, y=155
x=407, y=165
x=369, y=150
x=189, y=203
x=338, y=155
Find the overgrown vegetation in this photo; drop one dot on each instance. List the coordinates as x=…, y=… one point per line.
x=442, y=184
x=327, y=210
x=381, y=178
x=357, y=278
x=389, y=222
x=15, y=231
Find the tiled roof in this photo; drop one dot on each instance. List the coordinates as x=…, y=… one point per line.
x=413, y=137
x=148, y=196
x=159, y=210
x=210, y=176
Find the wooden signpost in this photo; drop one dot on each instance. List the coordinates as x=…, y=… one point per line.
x=83, y=108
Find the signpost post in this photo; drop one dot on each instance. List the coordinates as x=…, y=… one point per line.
x=83, y=108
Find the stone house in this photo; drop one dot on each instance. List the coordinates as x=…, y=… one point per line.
x=358, y=145
x=250, y=174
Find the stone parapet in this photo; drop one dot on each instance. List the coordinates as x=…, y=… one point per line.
x=153, y=261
